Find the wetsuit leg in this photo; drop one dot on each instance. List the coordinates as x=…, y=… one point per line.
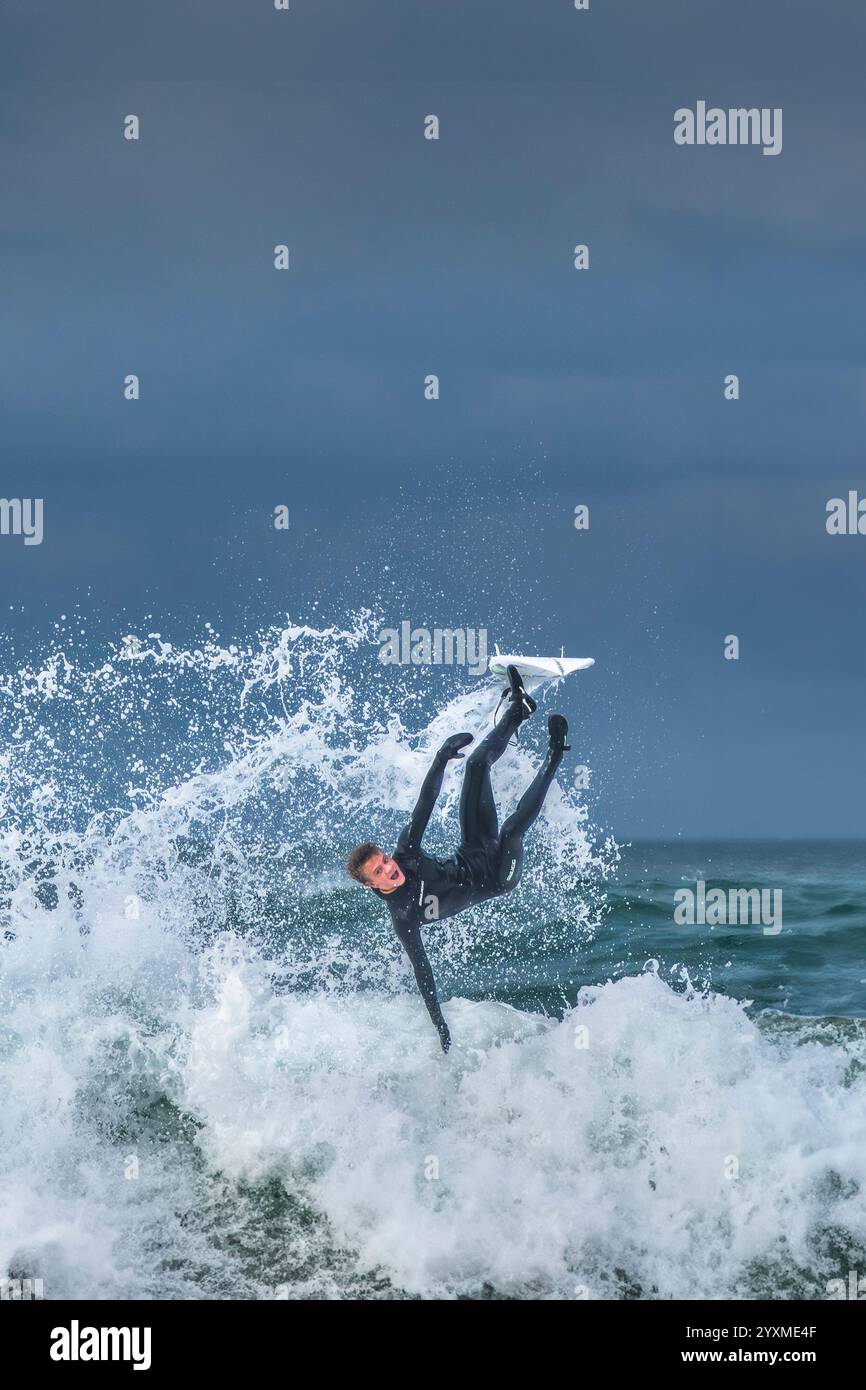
x=509, y=863
x=478, y=821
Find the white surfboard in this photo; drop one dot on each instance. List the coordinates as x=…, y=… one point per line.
x=535, y=670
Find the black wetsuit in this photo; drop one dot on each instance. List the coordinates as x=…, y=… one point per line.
x=488, y=861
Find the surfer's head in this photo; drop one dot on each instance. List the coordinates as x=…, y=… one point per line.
x=374, y=868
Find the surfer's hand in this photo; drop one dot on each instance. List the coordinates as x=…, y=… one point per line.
x=451, y=747
x=444, y=1035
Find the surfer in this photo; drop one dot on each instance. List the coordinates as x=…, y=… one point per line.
x=488, y=862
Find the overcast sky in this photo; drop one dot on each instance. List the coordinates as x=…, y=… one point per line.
x=454, y=257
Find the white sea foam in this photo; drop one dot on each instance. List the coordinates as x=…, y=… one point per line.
x=216, y=1082
x=683, y=1152
x=521, y=1162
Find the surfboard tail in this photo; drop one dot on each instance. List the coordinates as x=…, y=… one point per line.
x=538, y=669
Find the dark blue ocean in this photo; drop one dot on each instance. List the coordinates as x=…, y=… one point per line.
x=815, y=965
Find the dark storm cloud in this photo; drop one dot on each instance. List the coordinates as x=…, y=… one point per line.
x=456, y=257
x=338, y=39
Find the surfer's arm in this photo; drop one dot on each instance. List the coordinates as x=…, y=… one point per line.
x=430, y=788
x=410, y=938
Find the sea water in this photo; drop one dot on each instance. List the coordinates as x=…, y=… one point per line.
x=217, y=1079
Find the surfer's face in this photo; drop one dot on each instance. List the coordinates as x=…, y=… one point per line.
x=383, y=872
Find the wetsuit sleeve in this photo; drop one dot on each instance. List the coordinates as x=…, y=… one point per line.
x=410, y=839
x=410, y=937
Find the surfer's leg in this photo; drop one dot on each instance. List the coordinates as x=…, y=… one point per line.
x=510, y=857
x=478, y=820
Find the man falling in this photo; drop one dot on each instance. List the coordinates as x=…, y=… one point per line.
x=488, y=861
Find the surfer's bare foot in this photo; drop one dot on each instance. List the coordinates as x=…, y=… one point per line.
x=519, y=698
